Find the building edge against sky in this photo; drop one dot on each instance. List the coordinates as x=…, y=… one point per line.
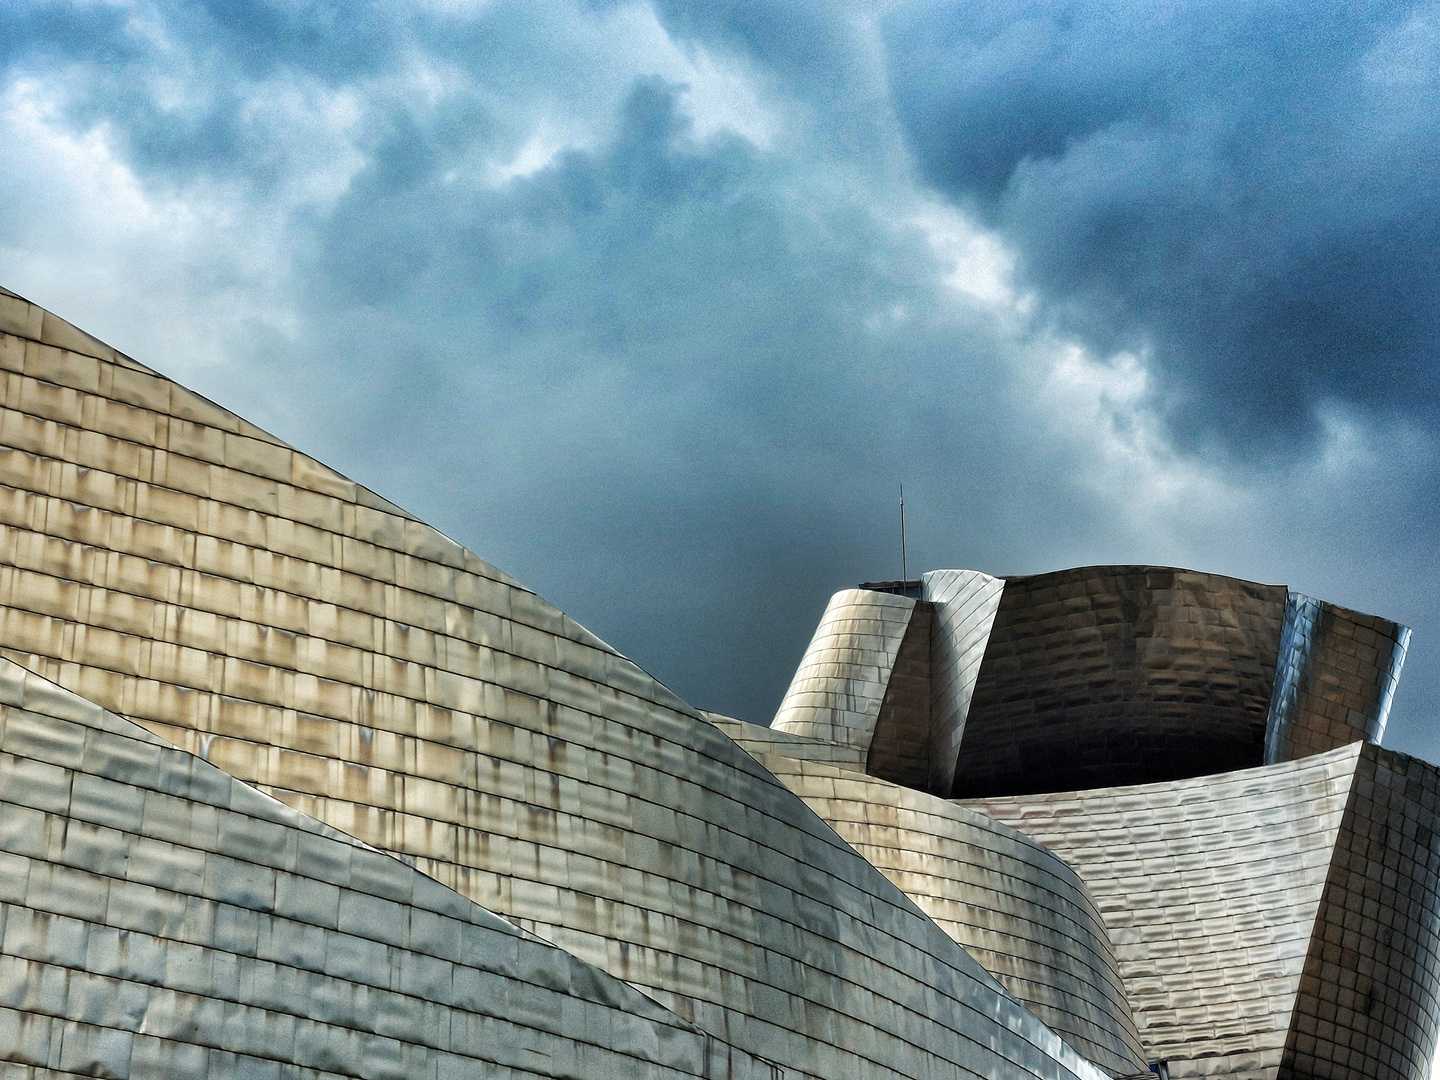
x=390, y=812
x=1269, y=885
x=175, y=565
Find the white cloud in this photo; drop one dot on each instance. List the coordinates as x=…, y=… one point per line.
x=977, y=262
x=538, y=151
x=720, y=95
x=162, y=274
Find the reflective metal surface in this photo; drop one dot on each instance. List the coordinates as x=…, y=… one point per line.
x=784, y=914
x=842, y=680
x=1013, y=904
x=966, y=602
x=168, y=561
x=1369, y=1003
x=1210, y=889
x=161, y=919
x=1108, y=675
x=1334, y=680
x=1281, y=921
x=1270, y=922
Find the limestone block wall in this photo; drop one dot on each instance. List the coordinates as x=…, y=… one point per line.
x=1335, y=678
x=172, y=563
x=841, y=681
x=159, y=919
x=1014, y=906
x=1210, y=888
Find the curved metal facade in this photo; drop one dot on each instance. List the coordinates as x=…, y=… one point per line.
x=1013, y=904
x=346, y=716
x=1094, y=677
x=1212, y=917
x=161, y=919
x=1266, y=920
x=1281, y=921
x=1369, y=999
x=1115, y=675
x=966, y=606
x=1334, y=680
x=842, y=679
x=171, y=563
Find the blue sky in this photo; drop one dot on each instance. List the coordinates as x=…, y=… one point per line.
x=655, y=304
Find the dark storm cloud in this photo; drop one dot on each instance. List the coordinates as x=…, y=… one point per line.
x=646, y=307
x=1253, y=190
x=48, y=31
x=677, y=354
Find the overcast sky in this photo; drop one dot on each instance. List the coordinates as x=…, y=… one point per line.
x=655, y=304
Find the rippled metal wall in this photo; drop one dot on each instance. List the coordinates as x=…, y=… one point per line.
x=1013, y=904
x=1335, y=678
x=1280, y=921
x=173, y=563
x=1090, y=677
x=161, y=919
x=901, y=747
x=1109, y=675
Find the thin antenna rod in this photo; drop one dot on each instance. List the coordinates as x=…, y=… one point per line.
x=904, y=568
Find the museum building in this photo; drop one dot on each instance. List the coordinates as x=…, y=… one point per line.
x=293, y=785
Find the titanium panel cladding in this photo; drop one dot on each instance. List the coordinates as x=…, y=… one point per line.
x=838, y=690
x=966, y=603
x=169, y=561
x=1369, y=1000
x=1334, y=680
x=1280, y=921
x=162, y=919
x=903, y=742
x=1013, y=904
x=1110, y=675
